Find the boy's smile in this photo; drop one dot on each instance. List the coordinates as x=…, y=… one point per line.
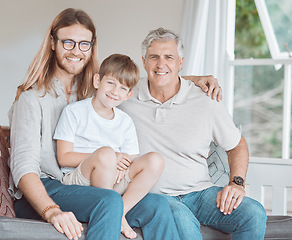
x=110, y=93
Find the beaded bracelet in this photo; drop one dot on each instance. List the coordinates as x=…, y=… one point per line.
x=47, y=209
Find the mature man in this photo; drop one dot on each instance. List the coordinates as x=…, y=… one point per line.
x=175, y=118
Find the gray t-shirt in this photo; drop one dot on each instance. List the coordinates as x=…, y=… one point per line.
x=181, y=129
x=33, y=119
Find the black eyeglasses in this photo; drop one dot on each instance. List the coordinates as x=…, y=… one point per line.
x=69, y=44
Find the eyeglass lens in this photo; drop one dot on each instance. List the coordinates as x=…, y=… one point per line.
x=70, y=44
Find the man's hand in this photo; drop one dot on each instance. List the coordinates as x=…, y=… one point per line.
x=209, y=84
x=230, y=198
x=124, y=160
x=65, y=222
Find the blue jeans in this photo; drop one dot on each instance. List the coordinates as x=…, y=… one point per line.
x=248, y=221
x=102, y=209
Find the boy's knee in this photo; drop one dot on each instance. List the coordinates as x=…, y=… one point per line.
x=155, y=162
x=105, y=157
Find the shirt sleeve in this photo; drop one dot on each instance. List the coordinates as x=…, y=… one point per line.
x=25, y=121
x=225, y=133
x=66, y=126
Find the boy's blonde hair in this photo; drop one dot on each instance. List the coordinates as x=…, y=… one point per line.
x=122, y=67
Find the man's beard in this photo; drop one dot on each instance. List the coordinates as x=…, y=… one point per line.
x=64, y=64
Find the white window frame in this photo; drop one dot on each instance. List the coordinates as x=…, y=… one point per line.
x=278, y=60
x=269, y=31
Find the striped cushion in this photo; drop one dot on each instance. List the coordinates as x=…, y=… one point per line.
x=6, y=201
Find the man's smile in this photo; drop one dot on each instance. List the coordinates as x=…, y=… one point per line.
x=73, y=59
x=160, y=73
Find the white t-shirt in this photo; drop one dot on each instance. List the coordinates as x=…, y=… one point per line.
x=80, y=124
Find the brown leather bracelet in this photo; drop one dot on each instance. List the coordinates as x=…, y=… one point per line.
x=47, y=209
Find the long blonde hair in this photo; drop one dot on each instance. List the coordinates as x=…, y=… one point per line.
x=41, y=70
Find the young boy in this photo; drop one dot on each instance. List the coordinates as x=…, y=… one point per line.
x=97, y=143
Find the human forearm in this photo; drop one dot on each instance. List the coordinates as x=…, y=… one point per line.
x=35, y=192
x=238, y=159
x=231, y=196
x=72, y=159
x=67, y=157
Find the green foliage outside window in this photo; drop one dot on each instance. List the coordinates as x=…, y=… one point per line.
x=250, y=37
x=258, y=93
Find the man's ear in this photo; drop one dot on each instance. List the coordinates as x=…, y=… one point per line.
x=143, y=60
x=130, y=93
x=53, y=44
x=96, y=80
x=181, y=61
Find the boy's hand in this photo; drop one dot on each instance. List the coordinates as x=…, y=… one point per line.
x=120, y=175
x=124, y=160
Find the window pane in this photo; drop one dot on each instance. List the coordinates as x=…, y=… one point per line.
x=280, y=14
x=258, y=108
x=250, y=40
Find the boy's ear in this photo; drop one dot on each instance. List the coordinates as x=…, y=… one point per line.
x=130, y=93
x=96, y=80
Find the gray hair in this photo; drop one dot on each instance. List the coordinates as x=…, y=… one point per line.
x=161, y=34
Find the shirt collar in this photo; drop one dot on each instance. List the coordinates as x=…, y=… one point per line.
x=59, y=90
x=180, y=98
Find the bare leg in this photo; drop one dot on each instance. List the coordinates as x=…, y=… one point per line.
x=100, y=168
x=144, y=172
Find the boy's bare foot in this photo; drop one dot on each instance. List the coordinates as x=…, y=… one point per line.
x=127, y=230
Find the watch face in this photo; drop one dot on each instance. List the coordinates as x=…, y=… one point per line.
x=238, y=180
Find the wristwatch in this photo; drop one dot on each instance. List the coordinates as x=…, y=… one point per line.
x=239, y=181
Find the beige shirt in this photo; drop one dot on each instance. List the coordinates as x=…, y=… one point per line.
x=33, y=118
x=181, y=129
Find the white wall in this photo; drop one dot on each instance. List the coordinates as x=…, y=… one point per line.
x=121, y=27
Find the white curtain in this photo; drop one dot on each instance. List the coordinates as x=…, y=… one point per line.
x=208, y=35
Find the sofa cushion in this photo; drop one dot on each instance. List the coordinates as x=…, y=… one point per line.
x=218, y=166
x=28, y=229
x=6, y=201
x=278, y=227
